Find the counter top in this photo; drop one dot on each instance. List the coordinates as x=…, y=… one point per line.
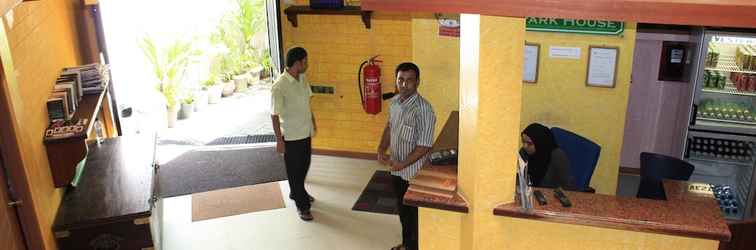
x=439, y=187
x=683, y=214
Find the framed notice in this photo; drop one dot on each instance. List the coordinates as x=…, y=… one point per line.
x=602, y=66
x=530, y=67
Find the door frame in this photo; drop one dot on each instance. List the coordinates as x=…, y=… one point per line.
x=9, y=147
x=15, y=223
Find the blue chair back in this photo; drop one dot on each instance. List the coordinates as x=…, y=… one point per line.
x=657, y=167
x=582, y=153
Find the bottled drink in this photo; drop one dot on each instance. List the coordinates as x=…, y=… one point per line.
x=98, y=131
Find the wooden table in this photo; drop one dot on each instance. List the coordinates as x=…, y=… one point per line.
x=111, y=208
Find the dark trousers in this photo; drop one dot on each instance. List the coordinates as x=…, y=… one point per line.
x=297, y=159
x=407, y=214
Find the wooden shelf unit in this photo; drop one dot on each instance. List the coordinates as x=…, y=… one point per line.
x=292, y=12
x=64, y=154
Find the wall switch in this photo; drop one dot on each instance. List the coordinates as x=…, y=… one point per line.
x=322, y=89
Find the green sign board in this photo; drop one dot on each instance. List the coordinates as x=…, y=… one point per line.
x=574, y=26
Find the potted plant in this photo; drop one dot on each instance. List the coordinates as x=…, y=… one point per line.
x=214, y=90
x=169, y=66
x=249, y=20
x=201, y=98
x=267, y=66
x=229, y=37
x=227, y=78
x=240, y=76
x=187, y=106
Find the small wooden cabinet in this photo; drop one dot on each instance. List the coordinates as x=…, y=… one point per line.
x=111, y=208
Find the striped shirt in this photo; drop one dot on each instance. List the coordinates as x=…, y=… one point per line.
x=411, y=123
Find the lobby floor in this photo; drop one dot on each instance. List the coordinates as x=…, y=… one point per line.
x=335, y=183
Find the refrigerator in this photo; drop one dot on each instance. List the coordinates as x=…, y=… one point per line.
x=721, y=137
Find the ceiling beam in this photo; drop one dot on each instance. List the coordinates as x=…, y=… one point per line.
x=723, y=13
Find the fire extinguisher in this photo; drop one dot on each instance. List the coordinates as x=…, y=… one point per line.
x=371, y=86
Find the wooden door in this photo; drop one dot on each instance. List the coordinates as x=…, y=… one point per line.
x=10, y=229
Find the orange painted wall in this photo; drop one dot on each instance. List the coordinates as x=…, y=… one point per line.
x=336, y=46
x=43, y=38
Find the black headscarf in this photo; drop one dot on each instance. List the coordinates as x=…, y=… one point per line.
x=544, y=144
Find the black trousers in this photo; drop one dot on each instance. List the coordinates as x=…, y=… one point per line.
x=407, y=214
x=297, y=158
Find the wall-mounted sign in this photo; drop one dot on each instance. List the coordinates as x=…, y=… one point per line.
x=597, y=27
x=602, y=66
x=448, y=25
x=530, y=67
x=564, y=52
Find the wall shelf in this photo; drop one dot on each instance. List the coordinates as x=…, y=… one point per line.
x=293, y=11
x=65, y=155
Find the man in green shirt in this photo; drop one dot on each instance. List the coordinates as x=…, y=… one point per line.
x=294, y=124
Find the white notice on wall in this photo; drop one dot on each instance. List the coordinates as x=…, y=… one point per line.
x=530, y=67
x=564, y=52
x=602, y=64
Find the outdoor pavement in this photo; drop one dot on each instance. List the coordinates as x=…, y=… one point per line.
x=243, y=113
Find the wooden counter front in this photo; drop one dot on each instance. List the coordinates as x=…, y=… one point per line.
x=439, y=190
x=683, y=214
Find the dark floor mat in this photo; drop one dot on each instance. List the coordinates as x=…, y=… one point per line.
x=199, y=170
x=378, y=196
x=244, y=139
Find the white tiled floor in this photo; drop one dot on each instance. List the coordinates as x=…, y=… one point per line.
x=334, y=182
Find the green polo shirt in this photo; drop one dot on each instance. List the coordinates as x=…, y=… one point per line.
x=290, y=101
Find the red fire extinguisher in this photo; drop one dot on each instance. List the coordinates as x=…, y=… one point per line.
x=371, y=99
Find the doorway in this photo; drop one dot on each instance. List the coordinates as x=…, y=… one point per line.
x=198, y=74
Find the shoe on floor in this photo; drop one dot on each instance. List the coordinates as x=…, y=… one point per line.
x=291, y=196
x=305, y=215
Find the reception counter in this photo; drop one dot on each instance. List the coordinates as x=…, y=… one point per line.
x=436, y=186
x=685, y=213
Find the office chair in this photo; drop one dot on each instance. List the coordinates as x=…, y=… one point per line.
x=582, y=153
x=657, y=167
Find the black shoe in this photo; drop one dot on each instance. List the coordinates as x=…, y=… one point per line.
x=306, y=215
x=291, y=196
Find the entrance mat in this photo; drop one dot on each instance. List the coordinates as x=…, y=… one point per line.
x=378, y=196
x=238, y=200
x=199, y=170
x=244, y=139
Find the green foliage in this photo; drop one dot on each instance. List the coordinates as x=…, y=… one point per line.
x=235, y=33
x=169, y=65
x=188, y=99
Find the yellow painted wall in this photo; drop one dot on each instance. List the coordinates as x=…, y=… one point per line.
x=486, y=178
x=561, y=97
x=336, y=46
x=42, y=38
x=438, y=59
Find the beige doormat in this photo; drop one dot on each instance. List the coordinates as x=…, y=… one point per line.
x=238, y=200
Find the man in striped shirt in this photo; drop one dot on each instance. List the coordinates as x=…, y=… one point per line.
x=409, y=135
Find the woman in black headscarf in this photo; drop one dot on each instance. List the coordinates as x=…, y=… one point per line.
x=548, y=165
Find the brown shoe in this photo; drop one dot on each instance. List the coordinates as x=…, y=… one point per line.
x=305, y=215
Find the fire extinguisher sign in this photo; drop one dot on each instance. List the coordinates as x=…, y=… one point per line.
x=448, y=26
